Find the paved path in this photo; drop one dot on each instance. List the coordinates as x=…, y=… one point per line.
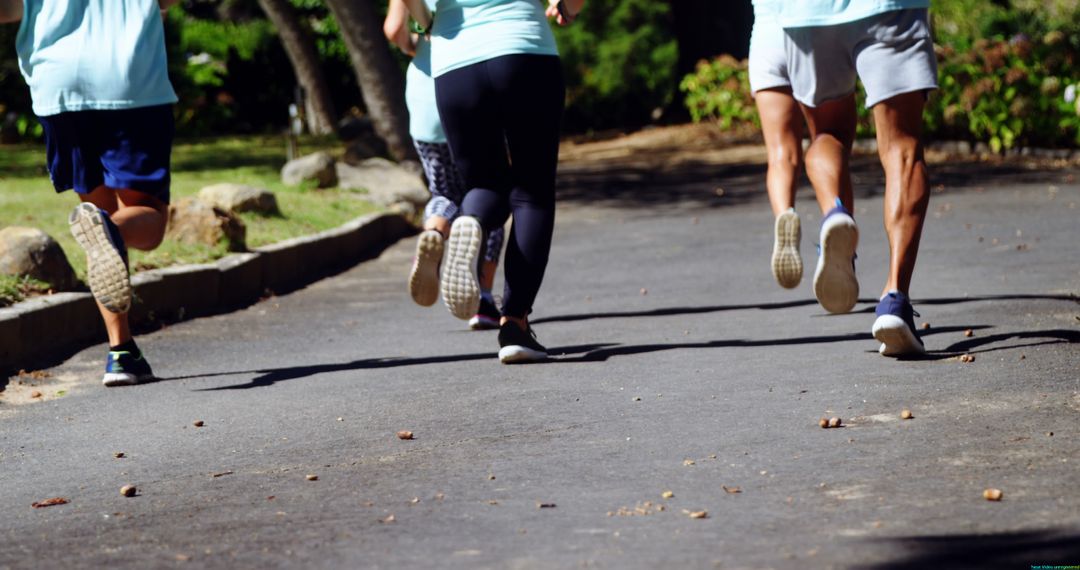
x=681, y=367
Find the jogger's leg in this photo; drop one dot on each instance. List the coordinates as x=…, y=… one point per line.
x=782, y=127
x=907, y=194
x=832, y=133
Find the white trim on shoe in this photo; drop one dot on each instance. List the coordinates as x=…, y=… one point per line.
x=896, y=337
x=460, y=287
x=424, y=277
x=787, y=266
x=835, y=284
x=517, y=354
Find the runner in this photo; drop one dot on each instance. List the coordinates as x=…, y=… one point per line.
x=500, y=92
x=888, y=46
x=107, y=116
x=444, y=180
x=782, y=127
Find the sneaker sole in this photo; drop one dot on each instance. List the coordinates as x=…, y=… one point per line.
x=515, y=354
x=787, y=265
x=835, y=284
x=896, y=337
x=424, y=279
x=460, y=288
x=105, y=269
x=482, y=323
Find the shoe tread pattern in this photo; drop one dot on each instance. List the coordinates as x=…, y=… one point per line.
x=106, y=272
x=460, y=289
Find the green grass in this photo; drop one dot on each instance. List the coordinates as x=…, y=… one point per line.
x=14, y=289
x=27, y=197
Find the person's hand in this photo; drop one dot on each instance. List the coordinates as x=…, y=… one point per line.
x=569, y=12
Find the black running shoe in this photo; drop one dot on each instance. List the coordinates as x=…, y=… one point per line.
x=125, y=369
x=486, y=317
x=518, y=346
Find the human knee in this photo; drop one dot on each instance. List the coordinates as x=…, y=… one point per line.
x=787, y=155
x=902, y=154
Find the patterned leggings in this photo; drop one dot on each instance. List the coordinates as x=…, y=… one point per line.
x=448, y=189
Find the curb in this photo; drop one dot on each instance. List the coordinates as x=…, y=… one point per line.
x=44, y=327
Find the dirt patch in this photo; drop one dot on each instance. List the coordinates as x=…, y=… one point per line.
x=29, y=387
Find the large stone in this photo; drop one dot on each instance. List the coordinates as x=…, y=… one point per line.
x=367, y=146
x=195, y=222
x=32, y=252
x=239, y=198
x=318, y=167
x=385, y=182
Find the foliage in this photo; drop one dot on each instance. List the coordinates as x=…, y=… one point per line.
x=1008, y=78
x=16, y=288
x=720, y=89
x=619, y=58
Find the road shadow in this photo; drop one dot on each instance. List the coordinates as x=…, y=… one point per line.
x=1012, y=550
x=602, y=352
x=694, y=174
x=672, y=311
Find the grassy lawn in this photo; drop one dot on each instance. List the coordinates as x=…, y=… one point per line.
x=27, y=197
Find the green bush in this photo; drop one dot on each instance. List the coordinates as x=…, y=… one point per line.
x=720, y=90
x=619, y=58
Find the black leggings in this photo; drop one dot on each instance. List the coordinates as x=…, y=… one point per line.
x=502, y=118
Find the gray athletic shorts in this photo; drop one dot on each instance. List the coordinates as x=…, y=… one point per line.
x=892, y=53
x=768, y=57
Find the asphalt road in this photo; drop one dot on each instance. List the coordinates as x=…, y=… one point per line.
x=680, y=367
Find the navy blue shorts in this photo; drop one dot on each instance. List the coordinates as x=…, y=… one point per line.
x=125, y=149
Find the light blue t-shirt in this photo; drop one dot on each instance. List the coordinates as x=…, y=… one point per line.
x=80, y=55
x=424, y=122
x=812, y=13
x=766, y=9
x=470, y=31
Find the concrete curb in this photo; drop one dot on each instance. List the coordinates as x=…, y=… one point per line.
x=44, y=327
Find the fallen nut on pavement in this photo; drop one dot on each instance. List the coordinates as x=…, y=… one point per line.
x=992, y=494
x=906, y=415
x=689, y=462
x=312, y=477
x=198, y=423
x=405, y=434
x=699, y=514
x=969, y=332
x=835, y=422
x=667, y=494
x=824, y=423
x=128, y=490
x=118, y=455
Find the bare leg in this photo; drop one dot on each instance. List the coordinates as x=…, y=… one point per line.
x=141, y=220
x=439, y=224
x=907, y=195
x=487, y=274
x=832, y=132
x=782, y=127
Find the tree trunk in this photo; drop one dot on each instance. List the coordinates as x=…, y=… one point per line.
x=305, y=62
x=381, y=81
x=707, y=28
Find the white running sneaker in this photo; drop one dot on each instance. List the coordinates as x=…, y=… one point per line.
x=460, y=288
x=106, y=256
x=787, y=265
x=835, y=284
x=424, y=278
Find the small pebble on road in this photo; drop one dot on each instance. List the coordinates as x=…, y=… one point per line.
x=198, y=423
x=405, y=434
x=992, y=494
x=312, y=477
x=128, y=490
x=906, y=415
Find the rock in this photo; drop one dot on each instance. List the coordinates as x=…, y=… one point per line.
x=239, y=198
x=368, y=145
x=192, y=221
x=384, y=181
x=318, y=167
x=353, y=127
x=32, y=252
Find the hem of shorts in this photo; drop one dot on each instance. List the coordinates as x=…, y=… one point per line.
x=436, y=73
x=770, y=85
x=102, y=106
x=870, y=104
x=813, y=105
